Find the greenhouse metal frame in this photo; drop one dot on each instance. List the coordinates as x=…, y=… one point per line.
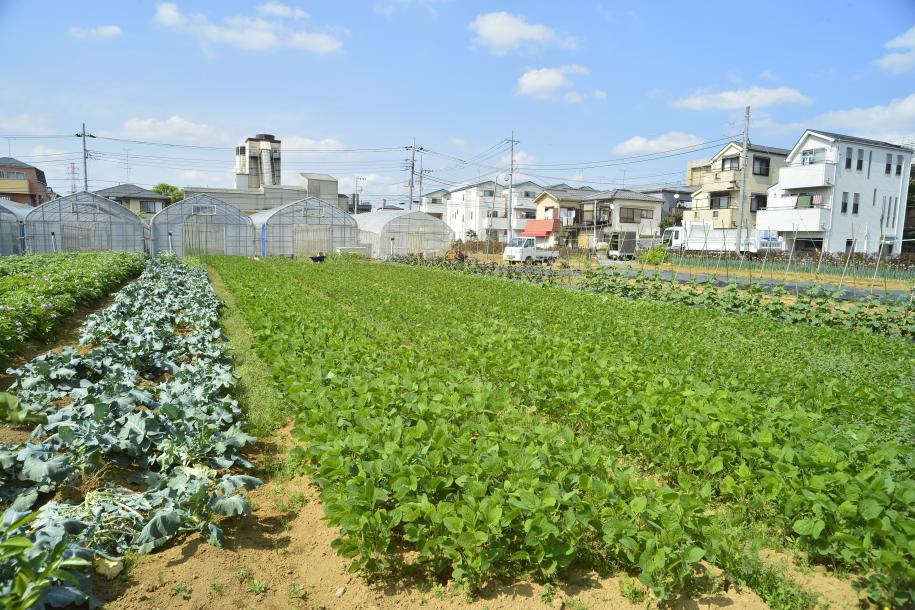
x=84, y=222
x=201, y=225
x=399, y=232
x=306, y=227
x=12, y=227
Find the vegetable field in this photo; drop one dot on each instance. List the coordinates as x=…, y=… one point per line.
x=475, y=428
x=135, y=440
x=39, y=291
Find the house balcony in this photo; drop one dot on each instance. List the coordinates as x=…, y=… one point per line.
x=787, y=216
x=722, y=180
x=814, y=175
x=501, y=224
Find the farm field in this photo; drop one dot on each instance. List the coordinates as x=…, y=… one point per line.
x=39, y=291
x=480, y=429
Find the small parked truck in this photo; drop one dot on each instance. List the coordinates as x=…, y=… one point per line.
x=525, y=250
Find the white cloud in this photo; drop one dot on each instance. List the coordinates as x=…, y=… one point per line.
x=304, y=143
x=100, y=32
x=172, y=129
x=546, y=83
x=459, y=142
x=521, y=158
x=667, y=141
x=503, y=32
x=251, y=33
x=756, y=97
x=904, y=60
x=277, y=9
x=768, y=76
x=893, y=122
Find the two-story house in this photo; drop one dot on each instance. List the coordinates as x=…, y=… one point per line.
x=23, y=183
x=135, y=198
x=616, y=210
x=840, y=193
x=717, y=200
x=434, y=203
x=482, y=209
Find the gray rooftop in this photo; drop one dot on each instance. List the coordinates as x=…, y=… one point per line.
x=11, y=162
x=310, y=176
x=589, y=194
x=16, y=209
x=844, y=138
x=131, y=191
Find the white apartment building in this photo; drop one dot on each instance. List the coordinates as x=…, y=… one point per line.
x=481, y=210
x=839, y=193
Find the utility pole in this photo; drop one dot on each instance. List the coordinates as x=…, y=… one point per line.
x=511, y=184
x=412, y=170
x=420, y=179
x=743, y=180
x=84, y=135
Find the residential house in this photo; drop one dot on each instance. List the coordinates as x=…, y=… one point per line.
x=676, y=198
x=716, y=201
x=136, y=199
x=840, y=193
x=615, y=210
x=483, y=209
x=23, y=183
x=433, y=203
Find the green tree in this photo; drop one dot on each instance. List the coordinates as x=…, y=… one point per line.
x=173, y=193
x=672, y=219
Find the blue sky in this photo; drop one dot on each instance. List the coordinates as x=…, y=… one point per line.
x=577, y=81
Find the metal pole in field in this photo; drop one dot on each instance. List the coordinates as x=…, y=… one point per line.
x=412, y=171
x=84, y=135
x=790, y=256
x=511, y=182
x=743, y=180
x=848, y=256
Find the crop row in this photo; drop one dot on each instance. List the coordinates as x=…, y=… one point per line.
x=39, y=291
x=844, y=495
x=413, y=454
x=147, y=395
x=816, y=306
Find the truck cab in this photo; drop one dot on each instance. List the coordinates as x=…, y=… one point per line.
x=674, y=238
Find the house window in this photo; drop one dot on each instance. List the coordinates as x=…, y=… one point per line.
x=898, y=165
x=889, y=163
x=729, y=163
x=855, y=202
x=845, y=203
x=715, y=214
x=436, y=200
x=528, y=194
x=10, y=175
x=760, y=166
x=860, y=165
x=720, y=201
x=628, y=215
x=758, y=202
x=148, y=207
x=647, y=214
x=848, y=156
x=488, y=193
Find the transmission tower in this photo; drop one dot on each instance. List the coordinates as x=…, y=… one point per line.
x=72, y=173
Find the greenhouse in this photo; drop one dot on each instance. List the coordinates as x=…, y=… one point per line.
x=398, y=232
x=305, y=228
x=84, y=222
x=202, y=225
x=12, y=227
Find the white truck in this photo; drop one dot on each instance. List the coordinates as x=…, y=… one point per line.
x=525, y=250
x=702, y=237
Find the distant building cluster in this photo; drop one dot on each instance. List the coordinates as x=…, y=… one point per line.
x=829, y=193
